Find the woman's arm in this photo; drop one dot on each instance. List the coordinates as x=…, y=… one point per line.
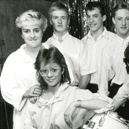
x=94, y=104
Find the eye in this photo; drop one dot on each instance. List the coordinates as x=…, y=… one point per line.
x=55, y=17
x=95, y=15
x=119, y=19
x=43, y=71
x=25, y=31
x=37, y=30
x=54, y=70
x=64, y=18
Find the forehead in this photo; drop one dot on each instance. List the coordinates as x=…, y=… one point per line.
x=31, y=25
x=49, y=65
x=59, y=13
x=93, y=11
x=122, y=13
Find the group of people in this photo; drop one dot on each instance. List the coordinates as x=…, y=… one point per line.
x=62, y=82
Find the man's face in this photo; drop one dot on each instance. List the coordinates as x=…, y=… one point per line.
x=95, y=19
x=60, y=21
x=121, y=22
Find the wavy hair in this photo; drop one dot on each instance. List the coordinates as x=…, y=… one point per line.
x=31, y=16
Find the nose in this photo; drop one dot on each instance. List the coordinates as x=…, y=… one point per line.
x=32, y=34
x=60, y=20
x=49, y=74
x=90, y=19
x=123, y=22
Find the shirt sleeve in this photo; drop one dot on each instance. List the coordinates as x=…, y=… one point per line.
x=86, y=67
x=9, y=87
x=123, y=93
x=86, y=95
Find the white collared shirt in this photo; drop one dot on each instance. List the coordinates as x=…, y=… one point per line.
x=18, y=75
x=76, y=54
x=113, y=65
x=95, y=48
x=47, y=114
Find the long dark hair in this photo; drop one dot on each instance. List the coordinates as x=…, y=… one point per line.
x=51, y=55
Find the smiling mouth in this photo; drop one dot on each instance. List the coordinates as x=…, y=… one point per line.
x=50, y=80
x=33, y=39
x=60, y=26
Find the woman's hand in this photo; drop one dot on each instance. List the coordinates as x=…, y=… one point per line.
x=33, y=99
x=69, y=112
x=33, y=91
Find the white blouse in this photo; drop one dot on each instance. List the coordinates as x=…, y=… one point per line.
x=17, y=76
x=47, y=114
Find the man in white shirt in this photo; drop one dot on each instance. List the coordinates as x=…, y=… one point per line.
x=114, y=68
x=96, y=40
x=121, y=99
x=72, y=48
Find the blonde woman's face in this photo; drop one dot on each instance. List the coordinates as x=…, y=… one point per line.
x=32, y=34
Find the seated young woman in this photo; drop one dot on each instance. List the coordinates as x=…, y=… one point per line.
x=60, y=104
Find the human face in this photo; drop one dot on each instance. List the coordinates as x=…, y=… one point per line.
x=121, y=22
x=32, y=35
x=51, y=74
x=95, y=20
x=60, y=21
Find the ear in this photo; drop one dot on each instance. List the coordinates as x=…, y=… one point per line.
x=104, y=18
x=113, y=20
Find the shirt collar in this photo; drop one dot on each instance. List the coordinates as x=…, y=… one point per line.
x=63, y=37
x=57, y=97
x=121, y=40
x=104, y=34
x=24, y=55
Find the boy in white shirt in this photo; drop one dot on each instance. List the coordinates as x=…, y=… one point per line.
x=121, y=99
x=96, y=40
x=113, y=68
x=72, y=48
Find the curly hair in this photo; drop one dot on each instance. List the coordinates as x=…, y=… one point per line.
x=31, y=16
x=96, y=4
x=51, y=55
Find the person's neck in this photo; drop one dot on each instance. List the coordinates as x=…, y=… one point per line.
x=32, y=52
x=60, y=34
x=96, y=34
x=123, y=36
x=53, y=89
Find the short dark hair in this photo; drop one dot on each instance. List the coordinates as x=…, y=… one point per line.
x=121, y=5
x=96, y=4
x=51, y=55
x=58, y=5
x=126, y=58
